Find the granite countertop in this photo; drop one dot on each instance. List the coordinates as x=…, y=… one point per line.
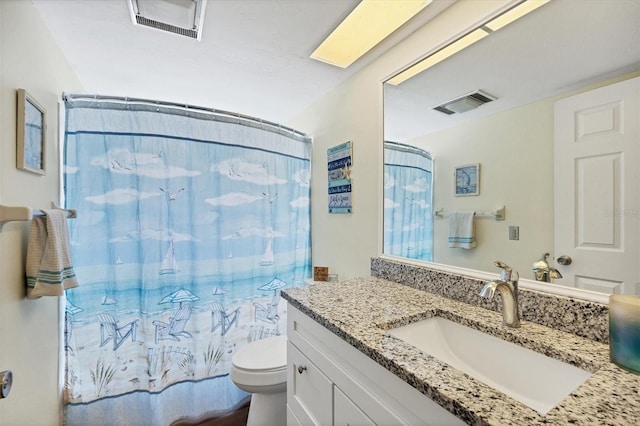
x=361, y=310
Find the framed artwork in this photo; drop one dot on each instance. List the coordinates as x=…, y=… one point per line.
x=339, y=162
x=467, y=180
x=31, y=129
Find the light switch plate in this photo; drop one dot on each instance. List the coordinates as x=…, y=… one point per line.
x=514, y=232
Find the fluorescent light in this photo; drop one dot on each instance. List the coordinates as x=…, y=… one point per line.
x=515, y=13
x=366, y=26
x=495, y=24
x=439, y=56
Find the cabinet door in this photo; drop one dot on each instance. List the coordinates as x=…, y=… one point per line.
x=345, y=412
x=309, y=391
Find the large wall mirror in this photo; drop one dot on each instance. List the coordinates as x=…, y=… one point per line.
x=505, y=132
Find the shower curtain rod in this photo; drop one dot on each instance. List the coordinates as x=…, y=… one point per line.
x=399, y=146
x=70, y=97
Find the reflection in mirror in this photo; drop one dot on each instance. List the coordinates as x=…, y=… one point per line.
x=408, y=219
x=564, y=48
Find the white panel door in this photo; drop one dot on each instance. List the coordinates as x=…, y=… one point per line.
x=597, y=161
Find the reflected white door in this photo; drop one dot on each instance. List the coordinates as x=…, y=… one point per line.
x=597, y=191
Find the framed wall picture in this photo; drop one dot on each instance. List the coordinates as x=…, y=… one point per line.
x=339, y=162
x=31, y=130
x=467, y=180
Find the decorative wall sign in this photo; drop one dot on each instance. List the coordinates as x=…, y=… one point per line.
x=31, y=129
x=467, y=180
x=339, y=160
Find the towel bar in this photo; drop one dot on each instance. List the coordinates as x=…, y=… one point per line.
x=20, y=213
x=497, y=213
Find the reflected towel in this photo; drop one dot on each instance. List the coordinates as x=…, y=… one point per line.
x=49, y=270
x=462, y=230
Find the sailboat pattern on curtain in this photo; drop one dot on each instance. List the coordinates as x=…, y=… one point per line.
x=187, y=231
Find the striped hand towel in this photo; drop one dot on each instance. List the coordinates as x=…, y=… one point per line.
x=49, y=269
x=462, y=230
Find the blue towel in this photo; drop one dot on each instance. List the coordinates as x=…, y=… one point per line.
x=462, y=230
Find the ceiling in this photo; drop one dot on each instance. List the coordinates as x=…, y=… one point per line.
x=562, y=46
x=253, y=58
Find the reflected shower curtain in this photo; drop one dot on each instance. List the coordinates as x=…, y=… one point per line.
x=188, y=227
x=408, y=194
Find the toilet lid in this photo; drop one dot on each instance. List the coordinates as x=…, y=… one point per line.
x=262, y=355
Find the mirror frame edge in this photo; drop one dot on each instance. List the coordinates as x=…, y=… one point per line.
x=550, y=288
x=524, y=283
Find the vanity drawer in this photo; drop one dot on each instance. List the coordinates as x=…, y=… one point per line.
x=309, y=391
x=346, y=412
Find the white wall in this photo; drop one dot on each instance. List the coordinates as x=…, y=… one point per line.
x=346, y=242
x=29, y=330
x=515, y=152
x=30, y=59
x=354, y=112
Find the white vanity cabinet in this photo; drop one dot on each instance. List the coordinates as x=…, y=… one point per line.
x=346, y=412
x=329, y=382
x=309, y=391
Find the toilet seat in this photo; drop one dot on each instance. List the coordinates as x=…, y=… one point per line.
x=260, y=363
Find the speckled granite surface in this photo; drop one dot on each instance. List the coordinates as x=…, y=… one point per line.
x=583, y=318
x=361, y=310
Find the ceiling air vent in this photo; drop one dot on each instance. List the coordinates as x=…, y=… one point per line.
x=465, y=103
x=181, y=17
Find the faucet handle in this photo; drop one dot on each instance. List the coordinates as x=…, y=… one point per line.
x=505, y=273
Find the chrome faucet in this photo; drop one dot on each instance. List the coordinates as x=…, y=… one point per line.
x=543, y=272
x=507, y=286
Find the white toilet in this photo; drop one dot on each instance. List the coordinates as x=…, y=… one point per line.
x=261, y=369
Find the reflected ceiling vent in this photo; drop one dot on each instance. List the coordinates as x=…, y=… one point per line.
x=465, y=103
x=181, y=17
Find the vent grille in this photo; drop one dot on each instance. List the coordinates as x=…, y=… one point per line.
x=465, y=103
x=444, y=110
x=180, y=17
x=141, y=20
x=481, y=97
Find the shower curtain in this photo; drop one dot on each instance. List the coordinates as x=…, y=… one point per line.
x=189, y=225
x=408, y=195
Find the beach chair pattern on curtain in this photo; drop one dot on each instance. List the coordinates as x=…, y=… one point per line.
x=222, y=319
x=111, y=332
x=174, y=329
x=190, y=226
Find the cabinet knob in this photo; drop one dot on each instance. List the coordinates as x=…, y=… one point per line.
x=301, y=369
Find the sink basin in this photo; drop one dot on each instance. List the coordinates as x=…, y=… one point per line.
x=534, y=379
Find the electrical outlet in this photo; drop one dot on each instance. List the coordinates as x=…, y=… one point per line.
x=514, y=232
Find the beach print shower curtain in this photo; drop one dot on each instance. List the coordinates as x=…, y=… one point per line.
x=408, y=194
x=189, y=225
